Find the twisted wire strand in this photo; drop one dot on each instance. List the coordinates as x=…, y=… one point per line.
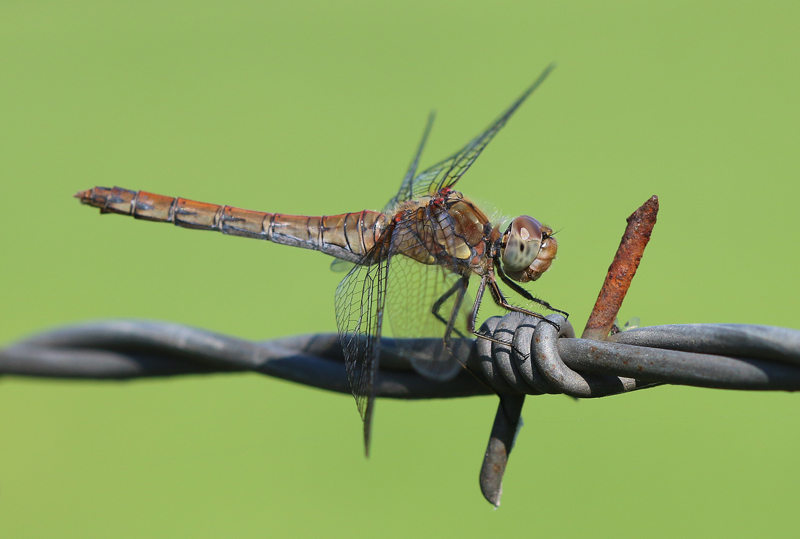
x=533, y=365
x=538, y=360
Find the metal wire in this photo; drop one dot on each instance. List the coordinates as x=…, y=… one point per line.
x=539, y=360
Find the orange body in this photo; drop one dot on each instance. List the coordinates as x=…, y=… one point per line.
x=348, y=236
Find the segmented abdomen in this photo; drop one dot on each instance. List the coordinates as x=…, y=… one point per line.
x=347, y=236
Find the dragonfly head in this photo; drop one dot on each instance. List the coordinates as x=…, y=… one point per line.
x=527, y=249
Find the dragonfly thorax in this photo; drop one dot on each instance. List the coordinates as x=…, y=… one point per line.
x=445, y=229
x=527, y=249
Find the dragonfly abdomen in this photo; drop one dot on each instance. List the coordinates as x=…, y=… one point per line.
x=347, y=236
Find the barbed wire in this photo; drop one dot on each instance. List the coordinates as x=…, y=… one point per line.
x=541, y=360
x=537, y=358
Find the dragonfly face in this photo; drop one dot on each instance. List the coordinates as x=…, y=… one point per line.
x=527, y=249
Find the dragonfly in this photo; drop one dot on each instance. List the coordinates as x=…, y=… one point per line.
x=409, y=264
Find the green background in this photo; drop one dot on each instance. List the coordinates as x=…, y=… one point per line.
x=316, y=108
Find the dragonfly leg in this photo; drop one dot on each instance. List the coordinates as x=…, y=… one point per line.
x=474, y=316
x=439, y=302
x=501, y=301
x=524, y=293
x=460, y=287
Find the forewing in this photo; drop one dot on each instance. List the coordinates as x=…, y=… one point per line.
x=404, y=193
x=360, y=299
x=446, y=173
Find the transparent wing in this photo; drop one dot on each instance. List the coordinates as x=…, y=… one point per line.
x=447, y=172
x=341, y=266
x=404, y=193
x=426, y=301
x=359, y=302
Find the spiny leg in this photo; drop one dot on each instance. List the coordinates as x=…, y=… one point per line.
x=451, y=324
x=524, y=293
x=501, y=301
x=474, y=315
x=459, y=286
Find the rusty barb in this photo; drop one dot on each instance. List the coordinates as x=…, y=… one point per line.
x=621, y=272
x=541, y=360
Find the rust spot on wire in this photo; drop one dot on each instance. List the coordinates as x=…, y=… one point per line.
x=621, y=272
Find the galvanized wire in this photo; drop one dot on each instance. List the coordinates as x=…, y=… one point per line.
x=539, y=360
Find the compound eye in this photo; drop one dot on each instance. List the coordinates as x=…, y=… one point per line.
x=523, y=239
